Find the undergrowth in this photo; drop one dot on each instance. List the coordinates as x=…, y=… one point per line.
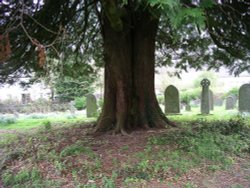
x=68, y=153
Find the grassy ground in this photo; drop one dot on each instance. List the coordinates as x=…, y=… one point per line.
x=205, y=151
x=40, y=121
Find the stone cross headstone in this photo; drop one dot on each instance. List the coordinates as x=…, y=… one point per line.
x=244, y=98
x=172, y=100
x=91, y=106
x=205, y=104
x=211, y=100
x=230, y=104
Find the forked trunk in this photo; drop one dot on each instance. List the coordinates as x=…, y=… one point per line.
x=129, y=96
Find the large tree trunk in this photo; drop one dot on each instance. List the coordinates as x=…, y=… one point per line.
x=129, y=96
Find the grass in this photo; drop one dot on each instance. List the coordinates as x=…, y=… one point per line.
x=66, y=155
x=7, y=139
x=30, y=123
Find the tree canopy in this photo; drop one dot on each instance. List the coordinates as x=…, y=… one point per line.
x=127, y=37
x=190, y=33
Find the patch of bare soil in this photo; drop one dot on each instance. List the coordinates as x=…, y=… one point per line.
x=7, y=131
x=110, y=147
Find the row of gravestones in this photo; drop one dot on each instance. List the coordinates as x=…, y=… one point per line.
x=172, y=101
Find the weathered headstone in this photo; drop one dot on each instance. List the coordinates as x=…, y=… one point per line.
x=244, y=98
x=72, y=108
x=218, y=102
x=205, y=104
x=235, y=99
x=172, y=100
x=196, y=102
x=26, y=98
x=188, y=107
x=91, y=106
x=230, y=104
x=211, y=100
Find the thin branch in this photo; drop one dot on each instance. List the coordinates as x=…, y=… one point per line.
x=47, y=29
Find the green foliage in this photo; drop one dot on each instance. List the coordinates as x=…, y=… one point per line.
x=69, y=88
x=233, y=91
x=5, y=121
x=76, y=149
x=212, y=77
x=109, y=182
x=188, y=95
x=216, y=141
x=83, y=46
x=178, y=15
x=7, y=139
x=23, y=177
x=100, y=102
x=47, y=125
x=80, y=103
x=185, y=15
x=160, y=99
x=202, y=143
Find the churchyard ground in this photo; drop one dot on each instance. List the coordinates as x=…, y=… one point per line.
x=204, y=151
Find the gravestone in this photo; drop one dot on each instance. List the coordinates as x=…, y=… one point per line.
x=230, y=103
x=72, y=108
x=26, y=98
x=172, y=100
x=196, y=102
x=211, y=100
x=244, y=98
x=205, y=104
x=235, y=99
x=218, y=102
x=91, y=106
x=188, y=107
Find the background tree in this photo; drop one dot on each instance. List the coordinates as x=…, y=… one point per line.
x=127, y=40
x=209, y=75
x=67, y=88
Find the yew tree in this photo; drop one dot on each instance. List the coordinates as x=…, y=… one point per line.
x=124, y=36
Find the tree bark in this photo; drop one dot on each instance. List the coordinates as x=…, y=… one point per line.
x=129, y=97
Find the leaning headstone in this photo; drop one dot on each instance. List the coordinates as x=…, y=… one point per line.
x=230, y=104
x=211, y=100
x=91, y=106
x=244, y=98
x=172, y=100
x=205, y=104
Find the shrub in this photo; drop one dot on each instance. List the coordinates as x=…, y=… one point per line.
x=22, y=177
x=76, y=149
x=232, y=92
x=100, y=103
x=80, y=103
x=7, y=121
x=189, y=95
x=160, y=99
x=47, y=125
